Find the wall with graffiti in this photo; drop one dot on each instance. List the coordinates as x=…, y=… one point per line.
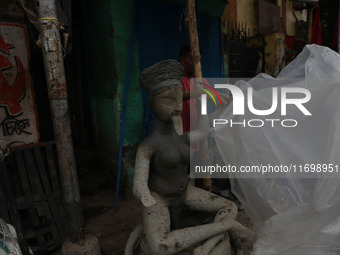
x=18, y=120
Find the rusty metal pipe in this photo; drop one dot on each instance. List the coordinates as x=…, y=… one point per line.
x=57, y=93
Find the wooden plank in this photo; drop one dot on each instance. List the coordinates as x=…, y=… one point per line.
x=44, y=178
x=41, y=242
x=39, y=234
x=42, y=170
x=26, y=186
x=3, y=205
x=37, y=189
x=36, y=183
x=48, y=189
x=39, y=180
x=32, y=172
x=52, y=167
x=55, y=233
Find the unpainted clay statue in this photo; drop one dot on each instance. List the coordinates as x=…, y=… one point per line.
x=161, y=178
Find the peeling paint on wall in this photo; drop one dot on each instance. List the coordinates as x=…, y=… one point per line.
x=18, y=120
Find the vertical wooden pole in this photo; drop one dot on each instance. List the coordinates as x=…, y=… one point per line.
x=310, y=24
x=195, y=52
x=284, y=15
x=193, y=37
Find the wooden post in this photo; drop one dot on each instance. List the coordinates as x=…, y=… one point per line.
x=195, y=52
x=193, y=37
x=310, y=25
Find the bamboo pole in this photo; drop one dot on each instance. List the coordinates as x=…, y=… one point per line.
x=310, y=25
x=193, y=37
x=195, y=52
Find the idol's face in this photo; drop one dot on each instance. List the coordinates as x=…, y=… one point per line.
x=168, y=103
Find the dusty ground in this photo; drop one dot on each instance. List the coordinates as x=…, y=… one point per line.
x=111, y=224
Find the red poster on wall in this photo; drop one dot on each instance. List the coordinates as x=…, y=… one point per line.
x=18, y=119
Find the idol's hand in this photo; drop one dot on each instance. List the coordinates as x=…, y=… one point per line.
x=144, y=196
x=148, y=200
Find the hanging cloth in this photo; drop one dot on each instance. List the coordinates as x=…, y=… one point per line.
x=316, y=30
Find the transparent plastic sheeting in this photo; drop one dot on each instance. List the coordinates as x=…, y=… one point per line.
x=291, y=215
x=8, y=240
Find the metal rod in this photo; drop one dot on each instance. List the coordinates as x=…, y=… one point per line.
x=126, y=90
x=57, y=93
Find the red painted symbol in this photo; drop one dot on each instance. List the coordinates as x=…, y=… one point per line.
x=5, y=47
x=11, y=94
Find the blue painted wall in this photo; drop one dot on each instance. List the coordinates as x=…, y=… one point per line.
x=162, y=31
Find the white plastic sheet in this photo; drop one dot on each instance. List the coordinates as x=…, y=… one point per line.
x=8, y=240
x=291, y=215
